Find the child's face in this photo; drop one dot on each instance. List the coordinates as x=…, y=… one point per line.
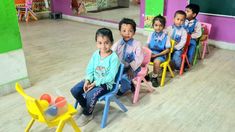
x=179, y=19
x=157, y=26
x=189, y=14
x=103, y=44
x=127, y=31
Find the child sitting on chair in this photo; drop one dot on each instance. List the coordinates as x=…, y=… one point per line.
x=100, y=74
x=179, y=34
x=193, y=27
x=159, y=43
x=130, y=53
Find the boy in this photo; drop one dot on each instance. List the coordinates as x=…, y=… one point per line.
x=193, y=27
x=130, y=54
x=179, y=34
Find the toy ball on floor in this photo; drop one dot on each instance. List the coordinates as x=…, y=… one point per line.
x=52, y=110
x=60, y=102
x=46, y=97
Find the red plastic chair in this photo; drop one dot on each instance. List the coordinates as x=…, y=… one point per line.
x=206, y=26
x=140, y=76
x=184, y=55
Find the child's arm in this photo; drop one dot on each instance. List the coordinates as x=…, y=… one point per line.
x=182, y=42
x=113, y=69
x=197, y=31
x=139, y=57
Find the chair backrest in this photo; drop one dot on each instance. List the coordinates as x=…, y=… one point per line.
x=187, y=43
x=171, y=50
x=118, y=78
x=147, y=56
x=207, y=26
x=33, y=106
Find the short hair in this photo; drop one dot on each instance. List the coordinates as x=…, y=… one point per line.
x=181, y=12
x=104, y=32
x=194, y=7
x=127, y=21
x=159, y=18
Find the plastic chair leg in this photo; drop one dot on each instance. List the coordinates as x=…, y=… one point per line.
x=74, y=125
x=150, y=88
x=163, y=75
x=182, y=65
x=172, y=73
x=124, y=109
x=29, y=125
x=204, y=50
x=60, y=126
x=196, y=55
x=105, y=113
x=137, y=90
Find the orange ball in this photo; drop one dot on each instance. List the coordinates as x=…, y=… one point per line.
x=60, y=101
x=46, y=97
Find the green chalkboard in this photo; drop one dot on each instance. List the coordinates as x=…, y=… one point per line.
x=9, y=29
x=216, y=7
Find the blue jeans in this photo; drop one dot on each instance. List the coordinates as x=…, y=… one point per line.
x=191, y=50
x=176, y=59
x=126, y=81
x=88, y=102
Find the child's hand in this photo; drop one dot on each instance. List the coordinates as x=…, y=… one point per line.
x=86, y=84
x=154, y=55
x=130, y=57
x=130, y=74
x=89, y=87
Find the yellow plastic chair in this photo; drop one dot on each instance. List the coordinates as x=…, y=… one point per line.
x=166, y=65
x=36, y=112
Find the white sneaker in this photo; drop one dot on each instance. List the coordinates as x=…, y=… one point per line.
x=83, y=120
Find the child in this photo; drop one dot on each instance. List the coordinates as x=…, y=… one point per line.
x=193, y=27
x=100, y=74
x=179, y=34
x=159, y=43
x=129, y=52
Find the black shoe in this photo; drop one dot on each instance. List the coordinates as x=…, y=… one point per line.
x=155, y=82
x=119, y=93
x=147, y=77
x=132, y=88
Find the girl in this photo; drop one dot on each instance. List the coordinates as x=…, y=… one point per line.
x=159, y=43
x=100, y=74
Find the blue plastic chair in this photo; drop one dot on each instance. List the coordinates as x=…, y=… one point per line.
x=111, y=96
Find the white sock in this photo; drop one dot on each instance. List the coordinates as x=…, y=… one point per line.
x=154, y=75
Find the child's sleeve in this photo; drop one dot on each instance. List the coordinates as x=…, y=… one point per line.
x=168, y=31
x=139, y=57
x=90, y=69
x=182, y=42
x=197, y=31
x=168, y=42
x=113, y=69
x=149, y=39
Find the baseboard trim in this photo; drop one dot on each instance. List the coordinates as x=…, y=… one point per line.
x=9, y=87
x=222, y=44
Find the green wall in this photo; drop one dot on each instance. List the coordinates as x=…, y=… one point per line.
x=9, y=29
x=152, y=8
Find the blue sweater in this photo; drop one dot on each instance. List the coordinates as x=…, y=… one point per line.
x=102, y=70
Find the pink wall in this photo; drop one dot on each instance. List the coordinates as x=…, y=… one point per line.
x=222, y=27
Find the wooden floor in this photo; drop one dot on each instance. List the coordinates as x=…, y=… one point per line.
x=57, y=52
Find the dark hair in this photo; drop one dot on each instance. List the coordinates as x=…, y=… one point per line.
x=104, y=32
x=181, y=12
x=194, y=7
x=127, y=21
x=159, y=18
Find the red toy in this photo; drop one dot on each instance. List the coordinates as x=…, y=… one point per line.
x=46, y=97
